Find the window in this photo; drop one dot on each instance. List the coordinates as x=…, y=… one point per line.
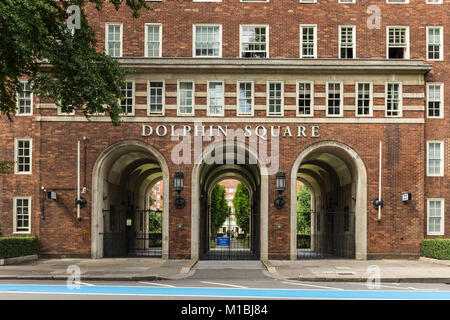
x=22, y=156
x=207, y=41
x=435, y=158
x=25, y=100
x=393, y=99
x=215, y=98
x=153, y=40
x=254, y=41
x=305, y=98
x=398, y=42
x=435, y=39
x=308, y=1
x=127, y=102
x=435, y=100
x=363, y=99
x=114, y=40
x=60, y=112
x=275, y=98
x=397, y=1
x=435, y=216
x=347, y=45
x=347, y=1
x=245, y=98
x=334, y=96
x=434, y=1
x=156, y=98
x=254, y=0
x=185, y=97
x=308, y=41
x=22, y=209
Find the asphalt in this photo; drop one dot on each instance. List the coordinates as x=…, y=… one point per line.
x=144, y=269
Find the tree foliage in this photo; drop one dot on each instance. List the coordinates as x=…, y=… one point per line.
x=6, y=167
x=304, y=211
x=241, y=203
x=219, y=208
x=65, y=66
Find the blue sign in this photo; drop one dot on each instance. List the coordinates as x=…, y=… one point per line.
x=223, y=242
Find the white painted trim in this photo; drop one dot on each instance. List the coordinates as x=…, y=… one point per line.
x=353, y=27
x=121, y=37
x=133, y=97
x=441, y=42
x=406, y=38
x=208, y=96
x=163, y=111
x=194, y=32
x=281, y=114
x=17, y=114
x=314, y=26
x=146, y=39
x=371, y=99
x=441, y=108
x=400, y=103
x=341, y=100
x=442, y=224
x=178, y=98
x=15, y=214
x=238, y=113
x=16, y=162
x=254, y=25
x=297, y=95
x=442, y=158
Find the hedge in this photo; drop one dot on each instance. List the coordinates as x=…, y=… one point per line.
x=12, y=247
x=436, y=248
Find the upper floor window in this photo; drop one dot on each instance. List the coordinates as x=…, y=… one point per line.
x=216, y=98
x=435, y=158
x=22, y=215
x=308, y=41
x=275, y=98
x=334, y=94
x=153, y=40
x=156, y=98
x=254, y=0
x=254, y=41
x=363, y=99
x=434, y=1
x=25, y=100
x=308, y=1
x=435, y=100
x=245, y=98
x=207, y=41
x=305, y=98
x=347, y=1
x=397, y=1
x=435, y=39
x=114, y=39
x=186, y=97
x=435, y=216
x=393, y=99
x=127, y=102
x=397, y=42
x=22, y=156
x=347, y=46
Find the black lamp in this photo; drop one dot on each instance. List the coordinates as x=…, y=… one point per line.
x=280, y=186
x=178, y=184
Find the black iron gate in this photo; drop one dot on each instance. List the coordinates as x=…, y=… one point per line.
x=136, y=233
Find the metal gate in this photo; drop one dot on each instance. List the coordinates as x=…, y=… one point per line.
x=135, y=233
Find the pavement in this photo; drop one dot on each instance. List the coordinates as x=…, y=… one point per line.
x=422, y=270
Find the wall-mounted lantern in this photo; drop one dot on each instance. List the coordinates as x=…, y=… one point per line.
x=178, y=185
x=280, y=186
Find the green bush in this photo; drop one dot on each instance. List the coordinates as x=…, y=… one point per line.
x=436, y=248
x=17, y=247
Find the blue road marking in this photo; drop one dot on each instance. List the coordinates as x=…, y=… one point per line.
x=230, y=292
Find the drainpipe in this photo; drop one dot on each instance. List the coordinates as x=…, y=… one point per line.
x=78, y=180
x=379, y=182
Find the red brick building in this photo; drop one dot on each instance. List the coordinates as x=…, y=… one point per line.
x=310, y=88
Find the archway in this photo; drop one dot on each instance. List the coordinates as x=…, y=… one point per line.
x=230, y=161
x=123, y=178
x=337, y=179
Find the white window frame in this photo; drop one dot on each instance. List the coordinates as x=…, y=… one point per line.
x=308, y=1
x=400, y=103
x=297, y=92
x=194, y=34
x=434, y=2
x=314, y=26
x=341, y=101
x=15, y=214
x=199, y=0
x=442, y=159
x=441, y=100
x=179, y=98
x=353, y=28
x=107, y=41
x=441, y=42
x=347, y=2
x=16, y=156
x=253, y=0
x=269, y=114
x=18, y=102
x=441, y=232
x=208, y=101
x=406, y=56
x=146, y=39
x=370, y=99
x=162, y=113
x=397, y=2
x=133, y=94
x=256, y=26
x=253, y=99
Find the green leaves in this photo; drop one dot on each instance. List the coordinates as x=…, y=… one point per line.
x=219, y=208
x=241, y=203
x=6, y=167
x=62, y=65
x=304, y=211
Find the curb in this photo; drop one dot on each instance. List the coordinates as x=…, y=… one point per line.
x=365, y=279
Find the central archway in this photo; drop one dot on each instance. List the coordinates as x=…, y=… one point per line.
x=239, y=162
x=337, y=179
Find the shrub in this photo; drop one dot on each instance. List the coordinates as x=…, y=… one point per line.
x=436, y=248
x=1, y=230
x=17, y=247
